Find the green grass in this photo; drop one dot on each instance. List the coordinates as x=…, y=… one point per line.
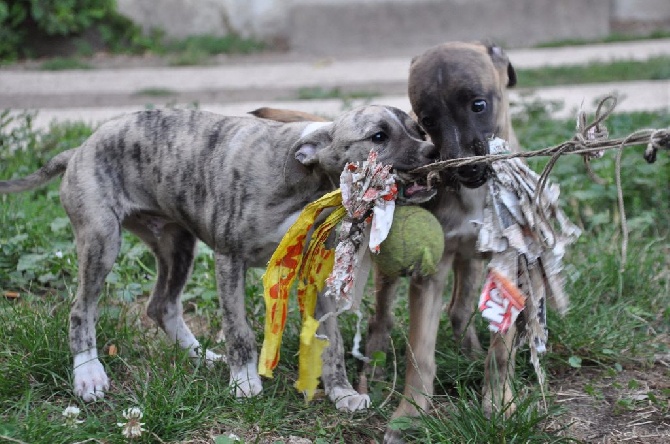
x=155, y=92
x=459, y=419
x=347, y=97
x=319, y=93
x=63, y=63
x=612, y=38
x=614, y=323
x=655, y=68
x=196, y=50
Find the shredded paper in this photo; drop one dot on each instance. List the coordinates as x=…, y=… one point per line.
x=526, y=235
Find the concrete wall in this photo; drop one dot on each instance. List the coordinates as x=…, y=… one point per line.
x=263, y=19
x=331, y=26
x=650, y=10
x=341, y=26
x=640, y=16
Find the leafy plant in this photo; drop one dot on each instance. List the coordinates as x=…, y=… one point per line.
x=20, y=18
x=23, y=22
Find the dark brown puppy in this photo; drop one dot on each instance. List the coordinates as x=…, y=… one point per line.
x=458, y=92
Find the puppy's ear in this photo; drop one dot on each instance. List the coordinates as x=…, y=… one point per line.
x=503, y=64
x=318, y=136
x=304, y=154
x=307, y=154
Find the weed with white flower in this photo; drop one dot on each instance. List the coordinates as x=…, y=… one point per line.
x=71, y=414
x=132, y=428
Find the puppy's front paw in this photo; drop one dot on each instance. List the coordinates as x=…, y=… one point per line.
x=246, y=382
x=349, y=400
x=90, y=379
x=246, y=388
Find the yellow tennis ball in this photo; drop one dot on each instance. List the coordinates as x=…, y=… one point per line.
x=414, y=245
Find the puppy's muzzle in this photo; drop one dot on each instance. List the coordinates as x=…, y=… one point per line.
x=473, y=176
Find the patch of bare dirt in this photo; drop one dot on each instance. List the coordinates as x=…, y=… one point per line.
x=630, y=406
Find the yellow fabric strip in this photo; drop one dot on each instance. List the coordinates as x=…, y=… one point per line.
x=316, y=267
x=279, y=276
x=318, y=263
x=309, y=359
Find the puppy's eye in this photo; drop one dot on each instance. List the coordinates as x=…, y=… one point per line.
x=427, y=122
x=479, y=106
x=379, y=137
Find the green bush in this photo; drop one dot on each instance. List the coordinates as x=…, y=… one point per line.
x=24, y=22
x=20, y=19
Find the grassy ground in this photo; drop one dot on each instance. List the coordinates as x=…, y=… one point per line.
x=607, y=364
x=655, y=68
x=612, y=38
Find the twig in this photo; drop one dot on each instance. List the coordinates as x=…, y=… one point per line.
x=395, y=378
x=658, y=138
x=589, y=141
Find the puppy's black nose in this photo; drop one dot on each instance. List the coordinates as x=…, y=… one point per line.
x=472, y=176
x=429, y=151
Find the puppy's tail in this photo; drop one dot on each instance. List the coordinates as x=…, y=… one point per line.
x=53, y=168
x=286, y=115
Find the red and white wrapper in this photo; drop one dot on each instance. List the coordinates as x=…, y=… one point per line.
x=500, y=302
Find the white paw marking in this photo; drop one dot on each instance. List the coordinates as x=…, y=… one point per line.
x=211, y=358
x=90, y=379
x=348, y=400
x=246, y=381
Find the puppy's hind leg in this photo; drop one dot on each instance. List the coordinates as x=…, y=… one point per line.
x=241, y=347
x=98, y=238
x=497, y=392
x=425, y=308
x=467, y=280
x=334, y=377
x=174, y=249
x=380, y=324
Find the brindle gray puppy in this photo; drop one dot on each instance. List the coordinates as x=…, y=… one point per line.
x=458, y=92
x=236, y=183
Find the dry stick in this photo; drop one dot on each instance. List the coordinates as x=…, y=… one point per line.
x=589, y=140
x=395, y=377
